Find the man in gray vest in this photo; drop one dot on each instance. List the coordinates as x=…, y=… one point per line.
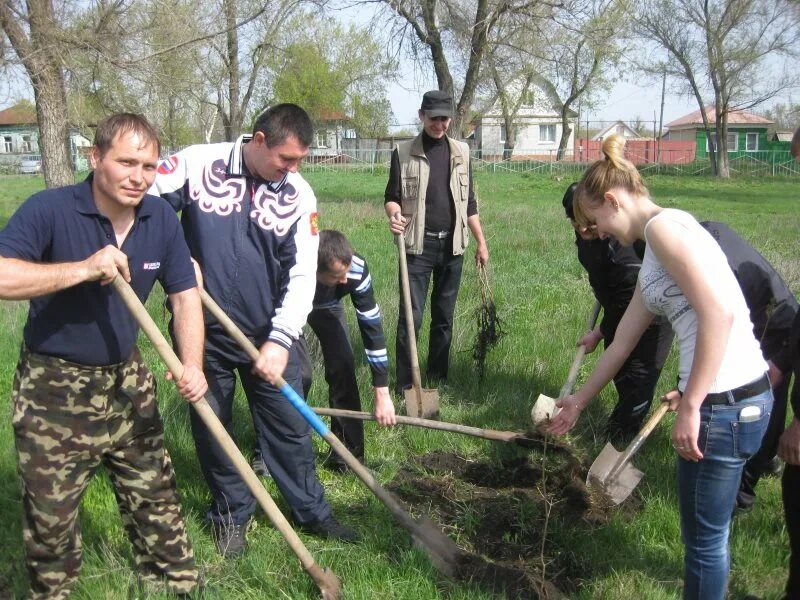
x=430, y=201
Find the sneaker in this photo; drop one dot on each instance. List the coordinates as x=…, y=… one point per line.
x=331, y=529
x=230, y=539
x=259, y=466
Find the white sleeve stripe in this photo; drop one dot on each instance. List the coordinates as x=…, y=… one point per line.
x=370, y=314
x=376, y=353
x=365, y=284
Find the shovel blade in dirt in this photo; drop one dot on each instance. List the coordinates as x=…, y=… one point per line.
x=616, y=487
x=612, y=470
x=543, y=410
x=422, y=403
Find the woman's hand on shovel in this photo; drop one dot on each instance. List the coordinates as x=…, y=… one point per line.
x=566, y=418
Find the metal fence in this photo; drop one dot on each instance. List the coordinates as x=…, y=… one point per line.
x=766, y=164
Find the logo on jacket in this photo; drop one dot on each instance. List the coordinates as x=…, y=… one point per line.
x=314, y=219
x=219, y=194
x=168, y=165
x=276, y=211
x=151, y=266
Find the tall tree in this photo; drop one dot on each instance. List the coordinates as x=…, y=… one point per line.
x=455, y=32
x=336, y=69
x=723, y=48
x=33, y=30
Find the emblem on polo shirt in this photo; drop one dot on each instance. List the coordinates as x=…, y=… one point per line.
x=151, y=266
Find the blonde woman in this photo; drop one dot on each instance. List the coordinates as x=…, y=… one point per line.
x=725, y=396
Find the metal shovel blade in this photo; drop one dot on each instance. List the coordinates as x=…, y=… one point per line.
x=424, y=406
x=618, y=487
x=543, y=409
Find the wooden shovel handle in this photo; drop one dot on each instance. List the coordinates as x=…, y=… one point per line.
x=416, y=379
x=566, y=390
x=637, y=442
x=211, y=421
x=487, y=434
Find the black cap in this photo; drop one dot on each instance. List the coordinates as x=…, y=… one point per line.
x=437, y=103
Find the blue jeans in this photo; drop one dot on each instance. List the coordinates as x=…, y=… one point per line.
x=707, y=492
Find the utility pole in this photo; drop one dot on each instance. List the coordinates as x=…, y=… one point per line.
x=661, y=121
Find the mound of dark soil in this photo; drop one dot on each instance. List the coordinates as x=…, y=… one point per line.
x=501, y=511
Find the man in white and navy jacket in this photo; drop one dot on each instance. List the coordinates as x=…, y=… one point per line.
x=250, y=222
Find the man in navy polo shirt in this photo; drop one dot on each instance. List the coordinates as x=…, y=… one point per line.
x=82, y=395
x=250, y=222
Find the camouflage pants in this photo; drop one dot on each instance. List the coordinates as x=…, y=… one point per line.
x=68, y=419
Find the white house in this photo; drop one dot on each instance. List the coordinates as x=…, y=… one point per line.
x=618, y=128
x=331, y=129
x=19, y=136
x=538, y=130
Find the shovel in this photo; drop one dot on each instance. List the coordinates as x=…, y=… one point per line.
x=612, y=471
x=486, y=434
x=420, y=402
x=325, y=580
x=545, y=408
x=442, y=551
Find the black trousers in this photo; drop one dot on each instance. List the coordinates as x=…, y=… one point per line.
x=437, y=262
x=283, y=437
x=791, y=508
x=636, y=380
x=330, y=326
x=759, y=462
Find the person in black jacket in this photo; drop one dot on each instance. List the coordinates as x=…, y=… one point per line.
x=773, y=308
x=613, y=270
x=789, y=444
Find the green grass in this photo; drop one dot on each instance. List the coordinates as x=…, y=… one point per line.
x=543, y=297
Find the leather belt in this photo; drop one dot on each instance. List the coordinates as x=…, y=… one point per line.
x=747, y=390
x=437, y=235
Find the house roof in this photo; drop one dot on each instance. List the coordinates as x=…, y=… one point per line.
x=332, y=115
x=784, y=136
x=18, y=115
x=620, y=128
x=735, y=117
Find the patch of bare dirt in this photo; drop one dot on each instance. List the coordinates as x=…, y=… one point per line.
x=498, y=514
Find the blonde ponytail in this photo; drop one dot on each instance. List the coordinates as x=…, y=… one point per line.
x=613, y=171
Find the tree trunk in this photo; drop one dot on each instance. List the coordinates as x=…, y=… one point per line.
x=566, y=131
x=723, y=169
x=233, y=124
x=51, y=103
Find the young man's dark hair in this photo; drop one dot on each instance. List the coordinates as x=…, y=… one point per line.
x=279, y=122
x=333, y=247
x=109, y=128
x=566, y=201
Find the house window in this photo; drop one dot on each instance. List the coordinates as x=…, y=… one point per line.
x=733, y=141
x=752, y=142
x=502, y=134
x=6, y=143
x=322, y=139
x=547, y=133
x=27, y=146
